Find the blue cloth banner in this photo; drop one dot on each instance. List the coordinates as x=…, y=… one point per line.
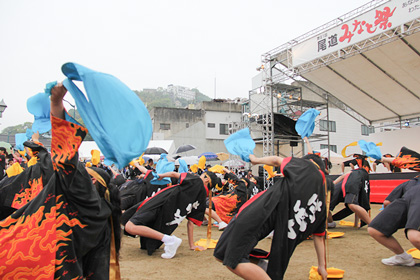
x=241, y=144
x=20, y=138
x=163, y=166
x=39, y=106
x=306, y=123
x=108, y=162
x=114, y=115
x=183, y=167
x=29, y=133
x=370, y=149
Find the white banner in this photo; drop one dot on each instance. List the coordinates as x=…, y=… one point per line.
x=387, y=16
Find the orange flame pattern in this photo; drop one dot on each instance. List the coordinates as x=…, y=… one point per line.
x=64, y=147
x=363, y=163
x=29, y=243
x=225, y=206
x=28, y=194
x=407, y=161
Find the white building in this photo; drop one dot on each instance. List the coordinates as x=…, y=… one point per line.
x=181, y=92
x=205, y=127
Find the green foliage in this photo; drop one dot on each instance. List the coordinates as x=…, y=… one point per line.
x=20, y=128
x=160, y=98
x=199, y=97
x=74, y=114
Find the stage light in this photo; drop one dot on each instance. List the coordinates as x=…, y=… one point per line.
x=260, y=68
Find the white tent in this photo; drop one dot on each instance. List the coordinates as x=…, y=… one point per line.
x=234, y=163
x=373, y=73
x=85, y=149
x=334, y=157
x=189, y=160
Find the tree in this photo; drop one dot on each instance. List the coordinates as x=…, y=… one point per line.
x=199, y=97
x=20, y=128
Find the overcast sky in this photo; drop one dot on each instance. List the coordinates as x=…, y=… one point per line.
x=148, y=44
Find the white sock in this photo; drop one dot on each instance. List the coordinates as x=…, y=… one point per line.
x=404, y=255
x=167, y=239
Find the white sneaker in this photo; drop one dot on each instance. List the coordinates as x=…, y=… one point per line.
x=170, y=249
x=397, y=260
x=222, y=225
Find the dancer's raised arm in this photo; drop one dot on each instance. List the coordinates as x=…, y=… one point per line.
x=269, y=160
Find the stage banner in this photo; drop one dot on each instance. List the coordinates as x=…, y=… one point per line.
x=372, y=23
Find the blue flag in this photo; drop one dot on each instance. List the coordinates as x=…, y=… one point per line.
x=306, y=123
x=183, y=167
x=241, y=144
x=39, y=106
x=162, y=166
x=114, y=115
x=370, y=149
x=20, y=138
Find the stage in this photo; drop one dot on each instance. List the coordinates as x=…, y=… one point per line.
x=381, y=184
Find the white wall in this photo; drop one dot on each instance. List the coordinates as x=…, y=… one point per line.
x=392, y=141
x=348, y=130
x=85, y=149
x=219, y=118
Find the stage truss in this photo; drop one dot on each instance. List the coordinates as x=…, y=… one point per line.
x=277, y=71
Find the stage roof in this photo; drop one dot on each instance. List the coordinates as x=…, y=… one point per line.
x=376, y=76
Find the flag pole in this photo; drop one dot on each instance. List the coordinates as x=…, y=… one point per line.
x=209, y=220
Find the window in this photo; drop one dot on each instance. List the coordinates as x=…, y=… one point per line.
x=332, y=147
x=165, y=126
x=366, y=130
x=224, y=129
x=187, y=125
x=211, y=125
x=327, y=125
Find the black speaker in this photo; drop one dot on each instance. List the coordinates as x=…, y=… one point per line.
x=261, y=171
x=294, y=143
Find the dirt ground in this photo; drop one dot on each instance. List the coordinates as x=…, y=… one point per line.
x=356, y=253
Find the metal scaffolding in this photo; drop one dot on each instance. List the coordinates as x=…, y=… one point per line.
x=268, y=101
x=273, y=95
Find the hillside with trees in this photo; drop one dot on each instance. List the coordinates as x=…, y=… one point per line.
x=161, y=98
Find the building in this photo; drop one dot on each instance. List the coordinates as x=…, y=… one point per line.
x=205, y=127
x=181, y=92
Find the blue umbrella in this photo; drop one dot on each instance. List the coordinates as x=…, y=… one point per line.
x=209, y=156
